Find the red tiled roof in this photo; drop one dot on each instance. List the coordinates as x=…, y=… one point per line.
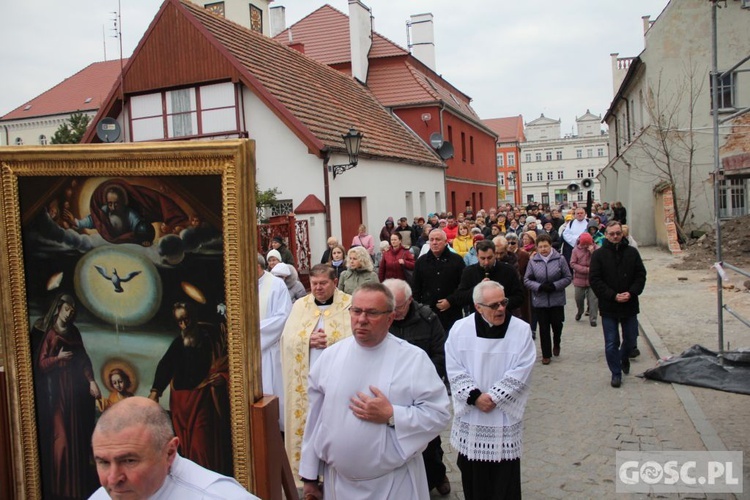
x=93, y=82
x=324, y=100
x=400, y=82
x=507, y=129
x=325, y=35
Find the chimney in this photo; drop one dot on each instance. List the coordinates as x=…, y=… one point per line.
x=423, y=39
x=360, y=38
x=278, y=19
x=646, y=23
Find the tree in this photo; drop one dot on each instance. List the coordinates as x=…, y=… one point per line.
x=264, y=199
x=72, y=131
x=669, y=140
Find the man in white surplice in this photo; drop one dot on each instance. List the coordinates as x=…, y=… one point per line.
x=489, y=356
x=274, y=309
x=375, y=403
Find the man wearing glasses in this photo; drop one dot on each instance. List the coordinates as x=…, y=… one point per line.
x=617, y=276
x=375, y=403
x=489, y=356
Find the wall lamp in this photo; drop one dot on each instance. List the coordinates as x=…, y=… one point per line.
x=352, y=141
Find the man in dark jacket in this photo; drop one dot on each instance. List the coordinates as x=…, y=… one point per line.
x=436, y=277
x=489, y=268
x=617, y=276
x=420, y=326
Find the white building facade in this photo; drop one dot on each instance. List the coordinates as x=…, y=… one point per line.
x=556, y=169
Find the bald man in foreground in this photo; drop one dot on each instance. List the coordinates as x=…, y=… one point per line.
x=135, y=450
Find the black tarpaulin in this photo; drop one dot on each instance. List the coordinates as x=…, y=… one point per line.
x=700, y=367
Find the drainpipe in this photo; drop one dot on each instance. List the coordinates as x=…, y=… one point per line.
x=327, y=190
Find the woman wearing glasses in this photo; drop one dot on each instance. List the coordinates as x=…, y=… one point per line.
x=546, y=276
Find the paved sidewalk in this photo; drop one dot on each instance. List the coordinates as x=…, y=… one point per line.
x=575, y=422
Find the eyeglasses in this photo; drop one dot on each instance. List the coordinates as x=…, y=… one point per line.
x=512, y=243
x=496, y=305
x=369, y=314
x=617, y=233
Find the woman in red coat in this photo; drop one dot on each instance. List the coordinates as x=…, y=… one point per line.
x=397, y=262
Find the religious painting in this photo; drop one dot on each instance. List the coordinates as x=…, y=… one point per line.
x=128, y=273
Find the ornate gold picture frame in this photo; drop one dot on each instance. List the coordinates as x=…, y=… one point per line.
x=119, y=263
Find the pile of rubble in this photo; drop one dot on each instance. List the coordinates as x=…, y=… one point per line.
x=700, y=253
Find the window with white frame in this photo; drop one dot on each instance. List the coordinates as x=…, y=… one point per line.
x=529, y=177
x=500, y=161
x=558, y=155
x=579, y=153
x=579, y=173
x=549, y=155
x=590, y=173
x=501, y=179
x=733, y=197
x=550, y=175
x=539, y=176
x=43, y=140
x=726, y=92
x=187, y=112
x=538, y=157
x=511, y=159
x=528, y=157
x=18, y=141
x=589, y=153
x=560, y=174
x=600, y=152
x=579, y=195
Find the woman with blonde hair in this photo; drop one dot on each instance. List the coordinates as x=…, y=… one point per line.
x=362, y=239
x=359, y=270
x=464, y=241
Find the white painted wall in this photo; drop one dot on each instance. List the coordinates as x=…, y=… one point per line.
x=31, y=129
x=282, y=161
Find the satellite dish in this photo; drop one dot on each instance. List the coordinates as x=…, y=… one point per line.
x=436, y=140
x=587, y=183
x=108, y=130
x=445, y=151
x=573, y=188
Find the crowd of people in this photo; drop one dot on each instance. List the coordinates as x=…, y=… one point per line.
x=471, y=292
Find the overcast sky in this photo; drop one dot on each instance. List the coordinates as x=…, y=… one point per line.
x=510, y=57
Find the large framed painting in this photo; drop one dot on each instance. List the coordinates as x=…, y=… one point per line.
x=127, y=270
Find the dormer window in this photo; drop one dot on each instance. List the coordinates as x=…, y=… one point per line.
x=27, y=107
x=88, y=100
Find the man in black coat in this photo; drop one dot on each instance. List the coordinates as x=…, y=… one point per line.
x=489, y=268
x=617, y=276
x=436, y=277
x=420, y=326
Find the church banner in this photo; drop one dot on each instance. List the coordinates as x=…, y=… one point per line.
x=127, y=269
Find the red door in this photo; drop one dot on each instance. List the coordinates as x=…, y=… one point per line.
x=351, y=218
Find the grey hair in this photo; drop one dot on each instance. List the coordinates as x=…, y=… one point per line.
x=261, y=261
x=511, y=236
x=380, y=288
x=478, y=295
x=396, y=285
x=135, y=411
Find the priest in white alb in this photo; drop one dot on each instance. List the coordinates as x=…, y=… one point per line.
x=376, y=401
x=274, y=309
x=489, y=356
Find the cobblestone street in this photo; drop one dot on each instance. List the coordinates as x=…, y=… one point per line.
x=575, y=422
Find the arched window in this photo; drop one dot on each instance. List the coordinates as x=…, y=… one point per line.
x=19, y=141
x=43, y=140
